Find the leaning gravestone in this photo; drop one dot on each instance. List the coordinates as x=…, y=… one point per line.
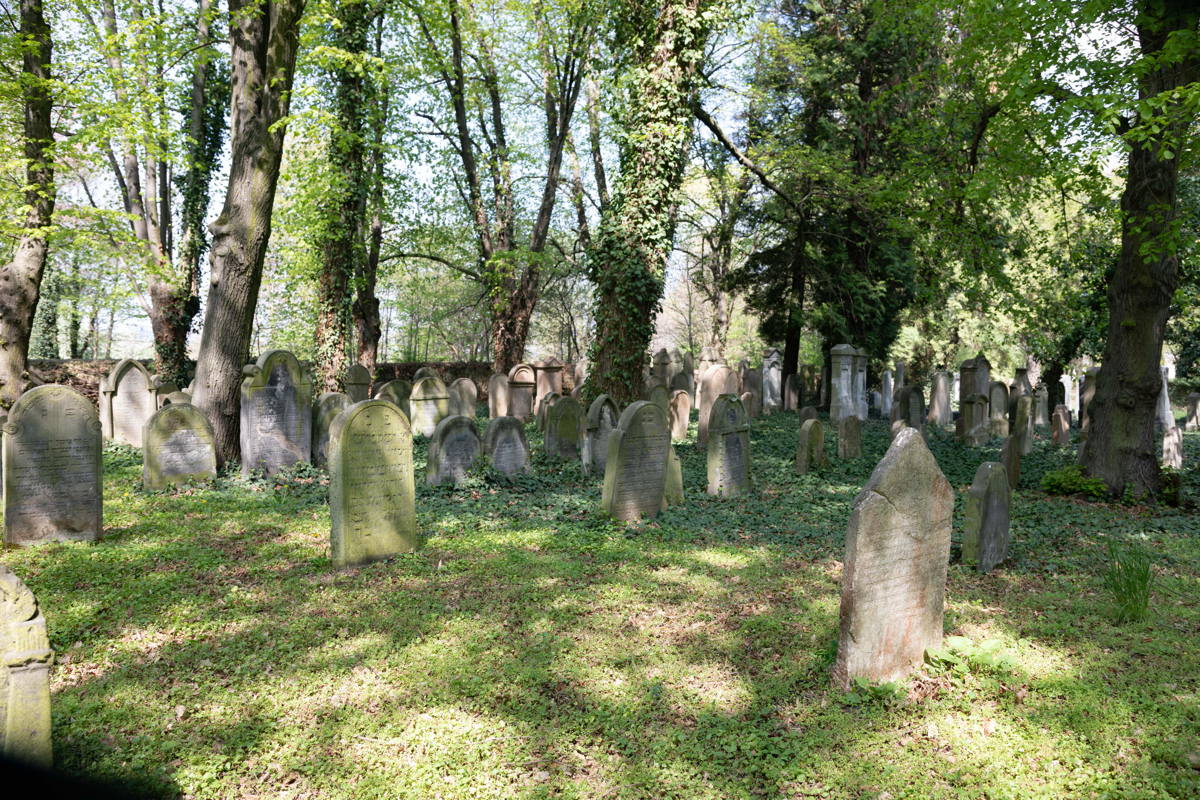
x=894, y=571
x=497, y=396
x=358, y=383
x=127, y=399
x=849, y=443
x=636, y=469
x=25, y=659
x=52, y=468
x=986, y=522
x=728, y=448
x=276, y=413
x=178, y=446
x=521, y=382
x=810, y=450
x=680, y=414
x=566, y=428
x=504, y=442
x=430, y=404
x=371, y=487
x=453, y=448
x=1172, y=448
x=463, y=397
x=1060, y=426
x=396, y=392
x=325, y=411
x=602, y=419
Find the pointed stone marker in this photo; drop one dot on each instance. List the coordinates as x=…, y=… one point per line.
x=987, y=522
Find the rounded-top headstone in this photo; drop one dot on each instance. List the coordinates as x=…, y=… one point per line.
x=430, y=403
x=453, y=448
x=680, y=414
x=986, y=518
x=602, y=417
x=463, y=397
x=566, y=427
x=497, y=396
x=127, y=399
x=728, y=448
x=810, y=449
x=505, y=443
x=426, y=372
x=357, y=383
x=397, y=392
x=179, y=446
x=635, y=473
x=325, y=411
x=276, y=413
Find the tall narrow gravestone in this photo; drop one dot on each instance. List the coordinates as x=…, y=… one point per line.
x=841, y=396
x=325, y=411
x=602, y=419
x=25, y=659
x=463, y=397
x=566, y=427
x=1086, y=395
x=772, y=371
x=810, y=450
x=998, y=407
x=178, y=446
x=521, y=383
x=497, y=396
x=371, y=491
x=1060, y=426
x=504, y=442
x=127, y=400
x=276, y=413
x=430, y=404
x=636, y=470
x=1024, y=423
x=1172, y=448
x=986, y=523
x=719, y=380
x=1192, y=421
x=894, y=572
x=976, y=420
x=1010, y=457
x=680, y=414
x=396, y=392
x=1041, y=406
x=357, y=383
x=548, y=378
x=849, y=443
x=453, y=448
x=728, y=448
x=939, y=400
x=544, y=406
x=52, y=468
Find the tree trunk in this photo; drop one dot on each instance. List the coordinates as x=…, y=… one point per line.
x=1120, y=446
x=791, y=344
x=366, y=304
x=264, y=37
x=21, y=278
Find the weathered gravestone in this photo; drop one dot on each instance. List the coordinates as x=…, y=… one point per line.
x=680, y=414
x=807, y=413
x=660, y=395
x=910, y=407
x=1086, y=395
x=753, y=385
x=522, y=380
x=1172, y=449
x=325, y=411
x=25, y=659
x=983, y=373
x=430, y=404
x=682, y=382
x=728, y=448
x=52, y=468
x=636, y=469
x=810, y=450
x=750, y=402
x=1022, y=381
x=453, y=448
x=1041, y=406
x=719, y=380
x=1192, y=421
x=772, y=371
x=176, y=397
x=276, y=413
x=602, y=419
x=425, y=372
x=497, y=396
x=894, y=571
x=976, y=420
x=357, y=383
x=887, y=393
x=543, y=407
x=463, y=397
x=660, y=366
x=504, y=442
x=178, y=446
x=998, y=406
x=1010, y=457
x=1163, y=412
x=849, y=442
x=127, y=399
x=841, y=398
x=548, y=378
x=397, y=393
x=673, y=484
x=939, y=400
x=371, y=485
x=1060, y=426
x=1024, y=423
x=566, y=429
x=986, y=521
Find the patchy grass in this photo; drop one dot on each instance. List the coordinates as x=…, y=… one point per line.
x=535, y=649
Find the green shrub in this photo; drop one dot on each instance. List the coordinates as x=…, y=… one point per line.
x=1071, y=480
x=1128, y=579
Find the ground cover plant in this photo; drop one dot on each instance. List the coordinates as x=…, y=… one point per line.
x=536, y=649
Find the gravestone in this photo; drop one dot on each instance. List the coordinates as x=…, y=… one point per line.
x=453, y=448
x=566, y=429
x=861, y=357
x=1192, y=421
x=463, y=397
x=1060, y=426
x=52, y=468
x=543, y=407
x=772, y=371
x=977, y=425
x=894, y=570
x=425, y=372
x=660, y=366
x=178, y=446
x=127, y=399
x=1041, y=406
x=504, y=441
x=547, y=378
x=357, y=383
x=849, y=443
x=753, y=385
x=371, y=484
x=1165, y=416
x=1022, y=381
x=177, y=397
x=602, y=420
x=728, y=448
x=901, y=375
x=998, y=407
x=430, y=403
x=807, y=413
x=810, y=449
x=682, y=382
x=792, y=392
x=276, y=413
x=939, y=400
x=1010, y=457
x=983, y=373
x=841, y=397
x=887, y=393
x=680, y=415
x=673, y=484
x=25, y=659
x=1024, y=423
x=325, y=411
x=521, y=384
x=750, y=402
x=1172, y=448
x=660, y=395
x=910, y=407
x=1069, y=393
x=1086, y=395
x=398, y=393
x=497, y=396
x=636, y=470
x=718, y=381
x=986, y=518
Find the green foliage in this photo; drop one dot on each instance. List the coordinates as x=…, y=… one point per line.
x=864, y=692
x=1070, y=480
x=1128, y=579
x=958, y=656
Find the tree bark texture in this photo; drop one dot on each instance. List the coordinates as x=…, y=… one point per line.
x=20, y=279
x=264, y=37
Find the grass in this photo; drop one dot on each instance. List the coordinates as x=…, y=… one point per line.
x=535, y=649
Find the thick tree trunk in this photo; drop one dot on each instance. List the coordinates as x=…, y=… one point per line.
x=791, y=343
x=20, y=279
x=264, y=37
x=172, y=309
x=1120, y=446
x=366, y=304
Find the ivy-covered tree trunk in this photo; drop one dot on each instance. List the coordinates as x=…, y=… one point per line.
x=1120, y=446
x=21, y=278
x=366, y=304
x=629, y=251
x=264, y=37
x=344, y=203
